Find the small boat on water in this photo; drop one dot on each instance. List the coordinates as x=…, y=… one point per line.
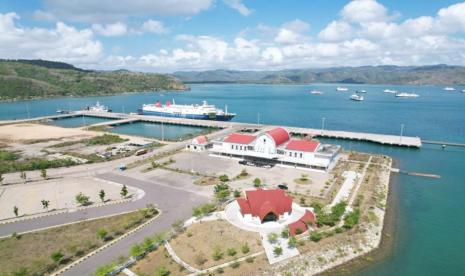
x=463, y=91
x=407, y=95
x=97, y=108
x=339, y=88
x=356, y=97
x=316, y=92
x=448, y=88
x=360, y=91
x=390, y=91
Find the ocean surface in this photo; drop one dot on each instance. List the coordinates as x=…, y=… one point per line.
x=430, y=220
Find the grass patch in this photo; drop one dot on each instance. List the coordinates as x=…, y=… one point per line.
x=9, y=163
x=206, y=239
x=206, y=181
x=34, y=252
x=105, y=139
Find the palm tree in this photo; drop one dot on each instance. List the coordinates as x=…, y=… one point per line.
x=43, y=173
x=23, y=176
x=45, y=204
x=102, y=195
x=15, y=210
x=124, y=191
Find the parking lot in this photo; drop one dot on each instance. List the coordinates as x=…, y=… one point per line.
x=207, y=164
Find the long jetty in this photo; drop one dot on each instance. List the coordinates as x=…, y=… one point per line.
x=122, y=118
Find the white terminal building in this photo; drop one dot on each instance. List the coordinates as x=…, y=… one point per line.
x=276, y=146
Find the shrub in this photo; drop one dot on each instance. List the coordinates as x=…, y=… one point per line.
x=257, y=182
x=245, y=248
x=237, y=193
x=231, y=251
x=298, y=231
x=102, y=233
x=217, y=254
x=161, y=271
x=200, y=259
x=285, y=233
x=148, y=244
x=220, y=270
x=292, y=242
x=203, y=209
x=235, y=265
x=351, y=219
x=104, y=270
x=250, y=260
x=223, y=178
x=57, y=256
x=244, y=173
x=277, y=251
x=316, y=236
x=272, y=237
x=82, y=199
x=136, y=250
x=339, y=230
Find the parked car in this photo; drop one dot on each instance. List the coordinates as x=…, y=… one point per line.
x=283, y=186
x=141, y=152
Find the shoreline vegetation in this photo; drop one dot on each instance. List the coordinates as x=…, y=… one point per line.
x=35, y=79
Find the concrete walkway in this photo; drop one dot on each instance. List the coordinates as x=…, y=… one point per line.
x=177, y=259
x=288, y=252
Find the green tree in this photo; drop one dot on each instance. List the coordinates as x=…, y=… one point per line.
x=351, y=219
x=82, y=199
x=124, y=191
x=277, y=250
x=15, y=210
x=272, y=237
x=102, y=233
x=285, y=233
x=45, y=204
x=222, y=191
x=43, y=173
x=316, y=236
x=231, y=251
x=237, y=193
x=257, y=182
x=57, y=256
x=101, y=194
x=162, y=271
x=23, y=176
x=148, y=244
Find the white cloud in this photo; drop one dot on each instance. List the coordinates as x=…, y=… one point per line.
x=154, y=26
x=109, y=10
x=336, y=31
x=364, y=11
x=273, y=55
x=452, y=18
x=115, y=29
x=297, y=26
x=61, y=43
x=239, y=6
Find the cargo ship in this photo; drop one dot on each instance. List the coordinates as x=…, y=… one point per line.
x=204, y=111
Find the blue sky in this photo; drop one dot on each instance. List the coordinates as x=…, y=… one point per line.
x=170, y=35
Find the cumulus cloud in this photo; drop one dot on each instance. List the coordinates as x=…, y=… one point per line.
x=109, y=11
x=297, y=26
x=364, y=11
x=336, y=31
x=238, y=6
x=115, y=29
x=154, y=26
x=62, y=43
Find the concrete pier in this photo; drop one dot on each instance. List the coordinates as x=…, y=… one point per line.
x=122, y=118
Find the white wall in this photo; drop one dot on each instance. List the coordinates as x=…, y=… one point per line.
x=265, y=145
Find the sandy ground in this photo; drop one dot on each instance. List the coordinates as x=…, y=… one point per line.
x=60, y=192
x=22, y=132
x=214, y=165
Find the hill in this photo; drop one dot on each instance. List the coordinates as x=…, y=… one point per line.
x=26, y=79
x=414, y=75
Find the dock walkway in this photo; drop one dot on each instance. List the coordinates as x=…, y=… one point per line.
x=121, y=118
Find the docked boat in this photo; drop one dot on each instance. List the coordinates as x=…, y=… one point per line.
x=193, y=111
x=316, y=92
x=407, y=95
x=97, y=108
x=390, y=91
x=448, y=89
x=339, y=88
x=360, y=91
x=356, y=97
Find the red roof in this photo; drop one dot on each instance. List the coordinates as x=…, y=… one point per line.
x=262, y=202
x=279, y=135
x=202, y=139
x=302, y=145
x=297, y=225
x=237, y=138
x=308, y=217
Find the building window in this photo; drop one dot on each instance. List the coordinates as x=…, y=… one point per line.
x=264, y=141
x=295, y=154
x=232, y=146
x=237, y=147
x=241, y=147
x=290, y=154
x=300, y=155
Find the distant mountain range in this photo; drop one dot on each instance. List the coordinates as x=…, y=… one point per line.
x=27, y=79
x=414, y=75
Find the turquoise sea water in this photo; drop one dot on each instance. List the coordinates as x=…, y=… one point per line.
x=152, y=130
x=78, y=121
x=430, y=223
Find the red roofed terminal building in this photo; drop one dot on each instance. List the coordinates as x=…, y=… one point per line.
x=261, y=206
x=277, y=146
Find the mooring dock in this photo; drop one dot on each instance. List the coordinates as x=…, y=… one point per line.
x=123, y=118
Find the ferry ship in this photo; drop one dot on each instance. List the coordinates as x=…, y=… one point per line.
x=448, y=89
x=200, y=112
x=316, y=92
x=342, y=88
x=390, y=91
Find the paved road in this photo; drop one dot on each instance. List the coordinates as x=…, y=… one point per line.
x=174, y=203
